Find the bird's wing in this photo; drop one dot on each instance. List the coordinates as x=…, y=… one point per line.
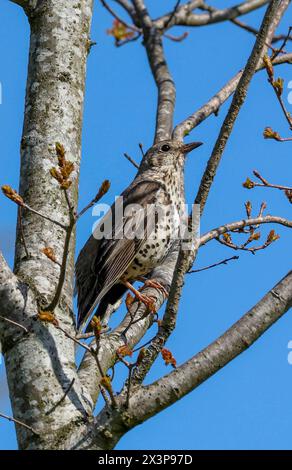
x=101, y=263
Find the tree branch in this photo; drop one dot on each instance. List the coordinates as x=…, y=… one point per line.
x=186, y=258
x=88, y=373
x=117, y=17
x=127, y=6
x=214, y=104
x=184, y=17
x=20, y=423
x=254, y=31
x=271, y=19
x=161, y=73
x=214, y=265
x=268, y=219
x=145, y=402
x=237, y=339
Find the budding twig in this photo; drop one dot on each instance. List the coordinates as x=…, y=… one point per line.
x=101, y=192
x=277, y=86
x=15, y=197
x=249, y=184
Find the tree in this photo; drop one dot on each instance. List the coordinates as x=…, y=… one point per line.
x=53, y=401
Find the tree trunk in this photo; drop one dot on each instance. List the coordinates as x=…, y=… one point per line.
x=41, y=365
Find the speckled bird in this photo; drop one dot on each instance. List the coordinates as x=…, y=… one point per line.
x=108, y=266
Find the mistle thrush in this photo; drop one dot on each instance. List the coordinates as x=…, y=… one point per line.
x=108, y=265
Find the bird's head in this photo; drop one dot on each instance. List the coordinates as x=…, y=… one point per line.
x=168, y=154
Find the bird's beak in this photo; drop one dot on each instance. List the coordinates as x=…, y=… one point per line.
x=186, y=148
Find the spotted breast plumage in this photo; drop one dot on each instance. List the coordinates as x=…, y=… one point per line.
x=131, y=246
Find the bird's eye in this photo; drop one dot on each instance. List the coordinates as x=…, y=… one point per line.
x=165, y=148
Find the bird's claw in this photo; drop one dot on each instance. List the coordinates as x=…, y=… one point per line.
x=156, y=285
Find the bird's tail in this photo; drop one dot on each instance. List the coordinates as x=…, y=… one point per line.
x=101, y=303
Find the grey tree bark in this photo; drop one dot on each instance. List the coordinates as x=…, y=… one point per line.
x=53, y=398
x=40, y=365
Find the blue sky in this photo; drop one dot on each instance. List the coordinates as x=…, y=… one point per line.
x=247, y=405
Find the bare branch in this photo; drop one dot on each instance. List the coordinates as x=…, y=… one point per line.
x=160, y=71
x=169, y=319
x=142, y=13
x=127, y=6
x=224, y=261
x=117, y=17
x=176, y=38
x=88, y=373
x=254, y=31
x=186, y=258
x=184, y=17
x=101, y=192
x=249, y=184
x=14, y=323
x=277, y=85
x=214, y=104
x=171, y=17
x=20, y=423
x=187, y=377
x=16, y=198
x=271, y=19
x=195, y=371
x=268, y=219
x=53, y=304
x=130, y=159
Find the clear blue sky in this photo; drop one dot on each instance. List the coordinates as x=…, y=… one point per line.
x=247, y=405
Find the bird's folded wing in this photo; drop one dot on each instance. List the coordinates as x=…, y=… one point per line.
x=109, y=258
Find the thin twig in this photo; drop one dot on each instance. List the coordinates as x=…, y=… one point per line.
x=276, y=186
x=268, y=219
x=104, y=395
x=56, y=222
x=176, y=38
x=225, y=261
x=268, y=26
x=283, y=45
x=127, y=41
x=20, y=423
x=53, y=304
x=92, y=351
x=91, y=334
x=118, y=18
x=141, y=149
x=249, y=184
x=254, y=31
x=62, y=398
x=74, y=338
x=130, y=159
x=101, y=192
x=171, y=17
x=14, y=323
x=22, y=232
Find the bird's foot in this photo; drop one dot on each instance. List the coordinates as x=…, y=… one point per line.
x=146, y=300
x=155, y=285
